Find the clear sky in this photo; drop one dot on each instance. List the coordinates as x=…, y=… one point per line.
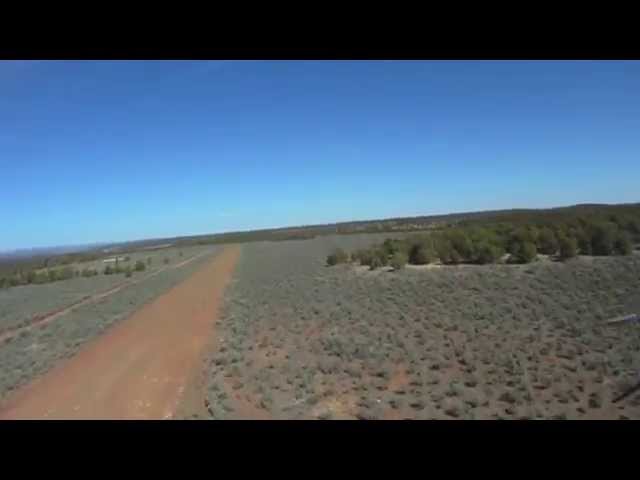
x=109, y=151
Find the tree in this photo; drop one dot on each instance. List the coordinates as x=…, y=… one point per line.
x=547, y=242
x=140, y=266
x=399, y=260
x=568, y=247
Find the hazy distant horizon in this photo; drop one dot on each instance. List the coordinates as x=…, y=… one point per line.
x=180, y=235
x=117, y=151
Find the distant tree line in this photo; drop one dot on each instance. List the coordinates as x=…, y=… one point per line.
x=37, y=277
x=522, y=235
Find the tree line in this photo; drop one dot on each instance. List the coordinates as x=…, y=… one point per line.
x=522, y=235
x=48, y=275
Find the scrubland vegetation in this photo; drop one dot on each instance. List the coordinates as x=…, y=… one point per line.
x=300, y=339
x=34, y=350
x=516, y=239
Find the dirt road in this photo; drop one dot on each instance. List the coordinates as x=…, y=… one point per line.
x=140, y=368
x=48, y=317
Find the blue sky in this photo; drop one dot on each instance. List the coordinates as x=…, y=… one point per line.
x=109, y=151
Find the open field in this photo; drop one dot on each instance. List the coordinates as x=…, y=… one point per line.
x=35, y=350
x=298, y=339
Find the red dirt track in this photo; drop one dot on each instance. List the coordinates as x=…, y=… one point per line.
x=141, y=367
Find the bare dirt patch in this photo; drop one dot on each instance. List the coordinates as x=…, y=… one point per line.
x=139, y=369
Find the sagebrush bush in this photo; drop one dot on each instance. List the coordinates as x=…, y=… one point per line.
x=337, y=256
x=140, y=266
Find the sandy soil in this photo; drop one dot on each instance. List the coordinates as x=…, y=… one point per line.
x=140, y=368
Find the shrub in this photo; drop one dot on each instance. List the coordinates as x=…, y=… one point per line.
x=399, y=260
x=455, y=257
x=622, y=244
x=40, y=278
x=140, y=266
x=149, y=261
x=524, y=252
x=602, y=239
x=486, y=252
x=568, y=247
x=462, y=245
x=166, y=260
x=443, y=250
x=421, y=254
x=338, y=256
x=108, y=270
x=375, y=262
x=547, y=242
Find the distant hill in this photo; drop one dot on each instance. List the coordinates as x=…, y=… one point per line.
x=301, y=232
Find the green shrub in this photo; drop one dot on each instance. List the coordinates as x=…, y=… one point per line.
x=486, y=253
x=148, y=261
x=337, y=256
x=622, y=244
x=166, y=260
x=462, y=245
x=443, y=250
x=568, y=247
x=140, y=266
x=524, y=252
x=375, y=262
x=603, y=238
x=53, y=275
x=382, y=256
x=108, y=270
x=399, y=260
x=547, y=242
x=422, y=252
